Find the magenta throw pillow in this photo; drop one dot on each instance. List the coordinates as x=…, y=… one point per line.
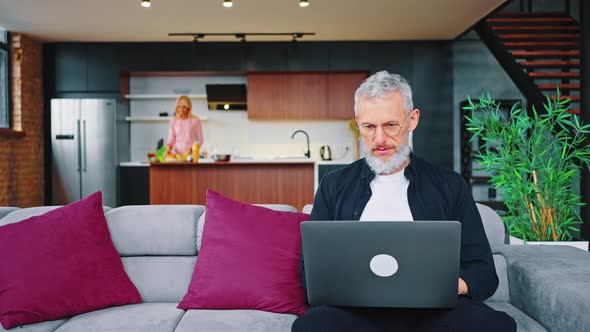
x=249, y=259
x=60, y=264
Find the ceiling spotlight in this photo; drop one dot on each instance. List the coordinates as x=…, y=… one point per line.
x=145, y=3
x=227, y=3
x=303, y=3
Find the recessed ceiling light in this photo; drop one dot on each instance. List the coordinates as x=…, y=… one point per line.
x=227, y=3
x=145, y=3
x=303, y=3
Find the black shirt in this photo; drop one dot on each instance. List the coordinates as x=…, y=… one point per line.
x=434, y=193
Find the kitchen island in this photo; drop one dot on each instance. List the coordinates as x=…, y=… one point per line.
x=278, y=181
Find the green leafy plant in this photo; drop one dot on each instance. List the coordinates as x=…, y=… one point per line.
x=534, y=160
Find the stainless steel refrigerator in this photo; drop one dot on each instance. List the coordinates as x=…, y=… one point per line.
x=84, y=150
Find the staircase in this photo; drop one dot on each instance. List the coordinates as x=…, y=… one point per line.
x=540, y=51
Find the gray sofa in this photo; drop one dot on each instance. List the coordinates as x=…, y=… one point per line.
x=543, y=288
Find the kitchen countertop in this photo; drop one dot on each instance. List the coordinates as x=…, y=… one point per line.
x=134, y=164
x=245, y=161
x=333, y=162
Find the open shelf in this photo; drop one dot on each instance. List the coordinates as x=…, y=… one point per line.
x=156, y=118
x=163, y=96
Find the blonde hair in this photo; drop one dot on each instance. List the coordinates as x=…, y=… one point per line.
x=190, y=105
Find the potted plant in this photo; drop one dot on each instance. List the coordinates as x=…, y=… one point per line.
x=534, y=160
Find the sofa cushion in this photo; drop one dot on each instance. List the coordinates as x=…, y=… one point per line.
x=60, y=264
x=22, y=214
x=249, y=259
x=160, y=278
x=307, y=208
x=524, y=323
x=502, y=293
x=155, y=229
x=144, y=317
x=550, y=284
x=5, y=210
x=48, y=326
x=493, y=226
x=235, y=320
x=276, y=207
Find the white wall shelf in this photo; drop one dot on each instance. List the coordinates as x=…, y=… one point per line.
x=155, y=118
x=163, y=96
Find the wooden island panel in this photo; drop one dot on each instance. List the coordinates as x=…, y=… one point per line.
x=256, y=183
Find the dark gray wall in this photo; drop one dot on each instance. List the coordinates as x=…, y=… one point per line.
x=93, y=70
x=475, y=71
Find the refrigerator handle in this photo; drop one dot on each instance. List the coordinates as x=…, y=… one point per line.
x=78, y=140
x=84, y=146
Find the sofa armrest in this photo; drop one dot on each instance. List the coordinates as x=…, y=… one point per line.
x=551, y=284
x=6, y=210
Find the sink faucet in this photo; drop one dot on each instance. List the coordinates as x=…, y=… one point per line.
x=308, y=153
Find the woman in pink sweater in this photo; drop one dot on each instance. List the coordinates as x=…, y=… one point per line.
x=183, y=128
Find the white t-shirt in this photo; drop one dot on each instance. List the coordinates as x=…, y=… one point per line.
x=389, y=199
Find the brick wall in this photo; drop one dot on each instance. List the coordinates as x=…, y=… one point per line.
x=21, y=156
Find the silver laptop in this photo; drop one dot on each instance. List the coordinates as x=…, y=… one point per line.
x=382, y=264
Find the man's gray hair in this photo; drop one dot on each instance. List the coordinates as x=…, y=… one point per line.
x=383, y=83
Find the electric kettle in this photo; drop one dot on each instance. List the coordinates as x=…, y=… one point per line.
x=326, y=153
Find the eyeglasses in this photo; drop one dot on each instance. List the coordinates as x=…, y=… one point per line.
x=389, y=128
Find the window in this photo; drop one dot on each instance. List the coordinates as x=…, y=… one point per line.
x=4, y=80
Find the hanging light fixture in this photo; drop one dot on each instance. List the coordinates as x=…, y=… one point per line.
x=146, y=3
x=303, y=3
x=227, y=3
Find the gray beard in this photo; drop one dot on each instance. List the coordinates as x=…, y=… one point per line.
x=385, y=167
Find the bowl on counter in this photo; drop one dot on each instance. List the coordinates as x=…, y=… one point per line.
x=221, y=157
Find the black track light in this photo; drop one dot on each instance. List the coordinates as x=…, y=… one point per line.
x=242, y=35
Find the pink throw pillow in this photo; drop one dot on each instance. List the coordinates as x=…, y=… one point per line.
x=249, y=259
x=61, y=264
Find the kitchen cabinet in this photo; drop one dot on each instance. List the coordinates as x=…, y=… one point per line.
x=103, y=72
x=286, y=182
x=70, y=67
x=134, y=185
x=341, y=88
x=308, y=56
x=266, y=56
x=87, y=68
x=302, y=95
x=349, y=56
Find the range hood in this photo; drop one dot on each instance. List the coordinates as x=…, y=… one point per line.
x=226, y=97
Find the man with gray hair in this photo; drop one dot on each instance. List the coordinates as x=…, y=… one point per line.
x=391, y=183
